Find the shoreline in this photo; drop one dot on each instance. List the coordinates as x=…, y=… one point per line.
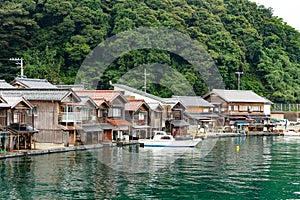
x=114, y=144
x=53, y=150
x=230, y=134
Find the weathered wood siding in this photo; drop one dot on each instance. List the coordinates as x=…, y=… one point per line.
x=197, y=109
x=240, y=111
x=47, y=115
x=51, y=135
x=46, y=121
x=3, y=117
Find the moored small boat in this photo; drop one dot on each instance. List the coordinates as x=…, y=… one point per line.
x=162, y=139
x=291, y=133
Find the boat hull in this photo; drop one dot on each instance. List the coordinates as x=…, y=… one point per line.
x=171, y=144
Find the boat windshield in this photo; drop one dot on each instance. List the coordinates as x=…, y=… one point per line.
x=166, y=138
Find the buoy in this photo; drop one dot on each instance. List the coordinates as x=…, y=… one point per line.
x=237, y=148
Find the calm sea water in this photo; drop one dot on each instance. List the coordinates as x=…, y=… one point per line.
x=259, y=168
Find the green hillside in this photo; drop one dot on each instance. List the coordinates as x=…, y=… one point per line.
x=55, y=36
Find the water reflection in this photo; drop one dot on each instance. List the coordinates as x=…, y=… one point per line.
x=262, y=168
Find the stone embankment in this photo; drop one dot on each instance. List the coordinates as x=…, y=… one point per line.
x=51, y=149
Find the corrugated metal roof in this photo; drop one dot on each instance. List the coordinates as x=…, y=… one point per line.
x=119, y=122
x=193, y=101
x=32, y=83
x=4, y=84
x=106, y=126
x=91, y=127
x=239, y=96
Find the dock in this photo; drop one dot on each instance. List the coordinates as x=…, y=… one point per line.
x=127, y=142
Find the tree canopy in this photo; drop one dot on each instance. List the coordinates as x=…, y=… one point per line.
x=55, y=36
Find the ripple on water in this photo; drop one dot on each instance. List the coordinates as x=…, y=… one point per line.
x=263, y=168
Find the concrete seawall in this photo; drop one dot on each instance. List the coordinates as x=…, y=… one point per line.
x=53, y=150
x=58, y=149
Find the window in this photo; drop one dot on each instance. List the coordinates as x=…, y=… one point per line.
x=85, y=114
x=141, y=116
x=157, y=115
x=17, y=117
x=67, y=108
x=255, y=108
x=102, y=113
x=33, y=111
x=205, y=110
x=115, y=112
x=244, y=108
x=235, y=108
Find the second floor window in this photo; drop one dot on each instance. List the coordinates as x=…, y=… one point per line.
x=244, y=108
x=255, y=108
x=115, y=112
x=17, y=117
x=67, y=108
x=234, y=108
x=141, y=116
x=102, y=113
x=85, y=114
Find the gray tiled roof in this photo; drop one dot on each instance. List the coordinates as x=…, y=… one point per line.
x=193, y=101
x=179, y=123
x=12, y=101
x=85, y=99
x=33, y=83
x=4, y=84
x=73, y=87
x=164, y=101
x=38, y=94
x=155, y=106
x=124, y=87
x=202, y=115
x=240, y=96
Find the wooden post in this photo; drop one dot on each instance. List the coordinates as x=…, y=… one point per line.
x=18, y=142
x=31, y=141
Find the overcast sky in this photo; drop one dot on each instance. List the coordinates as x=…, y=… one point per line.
x=288, y=10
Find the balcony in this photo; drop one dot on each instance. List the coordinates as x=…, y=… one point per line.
x=71, y=117
x=140, y=123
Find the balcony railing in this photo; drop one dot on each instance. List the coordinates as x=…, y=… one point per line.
x=71, y=117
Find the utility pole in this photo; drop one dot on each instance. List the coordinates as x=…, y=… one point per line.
x=19, y=61
x=145, y=80
x=239, y=78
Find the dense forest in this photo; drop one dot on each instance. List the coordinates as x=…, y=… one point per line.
x=55, y=36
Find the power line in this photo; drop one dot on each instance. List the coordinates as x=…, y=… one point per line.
x=19, y=61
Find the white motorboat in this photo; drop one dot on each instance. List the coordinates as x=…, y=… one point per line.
x=162, y=139
x=291, y=133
